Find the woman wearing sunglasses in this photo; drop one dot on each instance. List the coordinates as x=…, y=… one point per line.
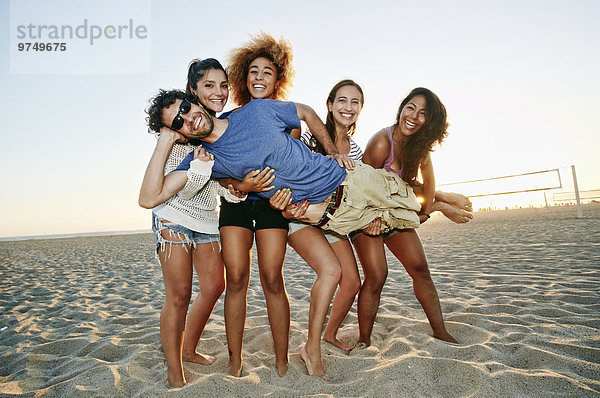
x=186, y=226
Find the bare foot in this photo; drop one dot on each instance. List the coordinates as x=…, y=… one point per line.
x=314, y=368
x=455, y=199
x=175, y=379
x=234, y=368
x=339, y=344
x=363, y=343
x=445, y=336
x=360, y=346
x=452, y=213
x=282, y=368
x=198, y=358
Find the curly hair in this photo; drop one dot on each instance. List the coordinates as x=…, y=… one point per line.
x=162, y=100
x=315, y=145
x=433, y=132
x=261, y=45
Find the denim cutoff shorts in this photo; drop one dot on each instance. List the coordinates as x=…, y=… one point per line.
x=386, y=235
x=331, y=236
x=180, y=235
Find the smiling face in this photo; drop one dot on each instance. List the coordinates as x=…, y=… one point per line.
x=197, y=123
x=413, y=115
x=262, y=78
x=346, y=106
x=213, y=90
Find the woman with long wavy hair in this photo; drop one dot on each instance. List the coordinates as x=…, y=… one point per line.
x=404, y=149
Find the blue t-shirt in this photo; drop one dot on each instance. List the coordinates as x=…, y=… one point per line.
x=258, y=135
x=225, y=115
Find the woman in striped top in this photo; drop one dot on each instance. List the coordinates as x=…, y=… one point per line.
x=344, y=105
x=320, y=249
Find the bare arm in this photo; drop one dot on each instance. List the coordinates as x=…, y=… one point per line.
x=377, y=150
x=254, y=181
x=317, y=128
x=156, y=188
x=296, y=133
x=282, y=200
x=428, y=186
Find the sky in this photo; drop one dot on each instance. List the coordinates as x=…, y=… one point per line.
x=519, y=80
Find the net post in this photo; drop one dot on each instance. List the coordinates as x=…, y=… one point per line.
x=579, y=211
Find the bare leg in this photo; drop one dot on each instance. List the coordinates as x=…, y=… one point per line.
x=371, y=254
x=454, y=199
x=237, y=242
x=271, y=245
x=456, y=207
x=454, y=214
x=312, y=246
x=344, y=298
x=210, y=270
x=176, y=266
x=407, y=248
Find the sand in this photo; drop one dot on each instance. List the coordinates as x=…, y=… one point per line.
x=520, y=289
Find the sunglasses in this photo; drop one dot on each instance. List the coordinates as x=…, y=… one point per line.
x=184, y=108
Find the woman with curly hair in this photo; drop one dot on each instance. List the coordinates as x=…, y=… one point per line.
x=404, y=149
x=262, y=69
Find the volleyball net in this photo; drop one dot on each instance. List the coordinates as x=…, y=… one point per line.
x=534, y=181
x=570, y=196
x=532, y=189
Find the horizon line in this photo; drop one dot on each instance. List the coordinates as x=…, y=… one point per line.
x=73, y=235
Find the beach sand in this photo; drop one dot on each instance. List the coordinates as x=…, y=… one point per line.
x=520, y=289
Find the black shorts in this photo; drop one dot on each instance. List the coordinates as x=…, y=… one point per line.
x=251, y=214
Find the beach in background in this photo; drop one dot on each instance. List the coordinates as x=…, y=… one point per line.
x=520, y=289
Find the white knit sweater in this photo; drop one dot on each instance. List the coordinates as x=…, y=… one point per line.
x=195, y=206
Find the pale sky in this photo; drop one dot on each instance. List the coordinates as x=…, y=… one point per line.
x=519, y=79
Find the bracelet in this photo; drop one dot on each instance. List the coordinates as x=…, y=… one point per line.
x=425, y=214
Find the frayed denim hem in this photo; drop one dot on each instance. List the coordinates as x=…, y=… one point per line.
x=179, y=235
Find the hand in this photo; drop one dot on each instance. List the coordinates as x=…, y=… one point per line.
x=281, y=199
x=343, y=160
x=374, y=228
x=258, y=181
x=296, y=211
x=172, y=134
x=236, y=192
x=423, y=218
x=201, y=154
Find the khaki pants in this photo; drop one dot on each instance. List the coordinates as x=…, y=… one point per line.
x=370, y=193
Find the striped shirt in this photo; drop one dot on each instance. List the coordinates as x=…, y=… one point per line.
x=310, y=141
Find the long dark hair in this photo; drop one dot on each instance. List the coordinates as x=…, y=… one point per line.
x=329, y=123
x=197, y=70
x=434, y=131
